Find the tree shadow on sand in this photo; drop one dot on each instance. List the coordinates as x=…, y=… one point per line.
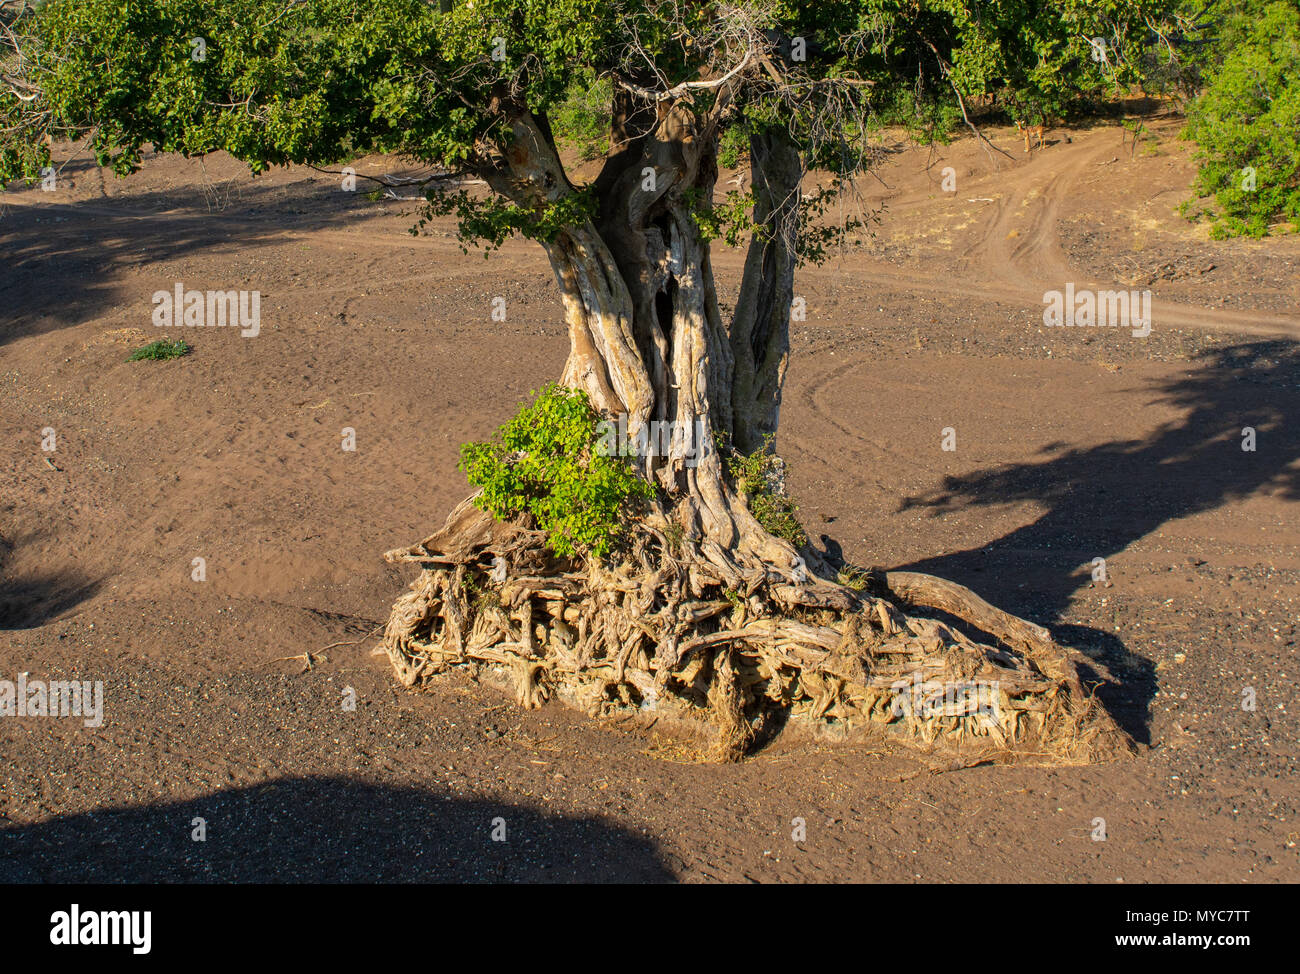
x=325, y=830
x=64, y=259
x=1101, y=499
x=30, y=600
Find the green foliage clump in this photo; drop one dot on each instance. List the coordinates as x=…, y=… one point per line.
x=929, y=116
x=583, y=119
x=761, y=477
x=161, y=350
x=320, y=82
x=733, y=144
x=731, y=220
x=489, y=222
x=480, y=596
x=546, y=462
x=1246, y=123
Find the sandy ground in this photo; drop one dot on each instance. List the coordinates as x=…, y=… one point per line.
x=1072, y=444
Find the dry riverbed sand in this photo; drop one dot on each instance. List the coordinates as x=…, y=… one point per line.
x=1072, y=444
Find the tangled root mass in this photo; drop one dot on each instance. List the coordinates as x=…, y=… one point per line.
x=662, y=630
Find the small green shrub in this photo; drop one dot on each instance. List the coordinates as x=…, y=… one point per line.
x=161, y=350
x=545, y=462
x=851, y=576
x=732, y=146
x=479, y=597
x=761, y=477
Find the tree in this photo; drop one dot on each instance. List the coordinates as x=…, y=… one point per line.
x=1246, y=119
x=702, y=610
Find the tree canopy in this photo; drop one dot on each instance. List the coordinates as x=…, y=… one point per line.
x=314, y=81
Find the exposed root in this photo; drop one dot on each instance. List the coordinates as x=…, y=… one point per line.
x=715, y=638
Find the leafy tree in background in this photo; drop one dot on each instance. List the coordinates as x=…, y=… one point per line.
x=704, y=605
x=1246, y=120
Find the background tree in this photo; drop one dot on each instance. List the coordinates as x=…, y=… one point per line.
x=700, y=609
x=1245, y=118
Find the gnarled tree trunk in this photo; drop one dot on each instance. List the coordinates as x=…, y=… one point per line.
x=708, y=615
x=647, y=340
